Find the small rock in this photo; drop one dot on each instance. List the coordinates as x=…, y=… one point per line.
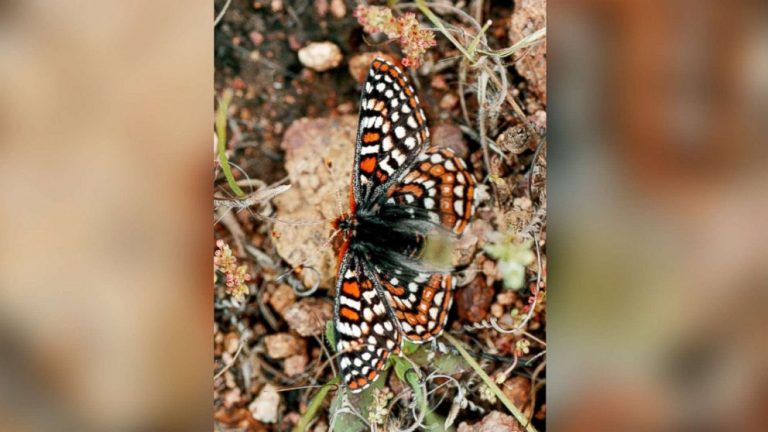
x=320, y=56
x=321, y=426
x=282, y=345
x=264, y=408
x=338, y=9
x=506, y=298
x=449, y=136
x=231, y=342
x=231, y=397
x=515, y=139
x=539, y=119
x=295, y=365
x=449, y=101
x=465, y=249
x=359, y=64
x=321, y=7
x=294, y=42
x=493, y=422
x=528, y=17
x=497, y=310
x=238, y=83
x=307, y=143
x=281, y=298
x=518, y=390
x=256, y=37
x=474, y=300
x=438, y=83
x=308, y=316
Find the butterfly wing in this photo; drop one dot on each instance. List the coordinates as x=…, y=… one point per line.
x=441, y=188
x=392, y=131
x=365, y=333
x=419, y=304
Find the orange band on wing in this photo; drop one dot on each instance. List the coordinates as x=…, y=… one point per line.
x=368, y=164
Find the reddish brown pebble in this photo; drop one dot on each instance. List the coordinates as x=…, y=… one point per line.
x=494, y=422
x=474, y=300
x=256, y=37
x=359, y=64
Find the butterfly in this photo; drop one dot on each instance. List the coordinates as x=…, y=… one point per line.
x=404, y=193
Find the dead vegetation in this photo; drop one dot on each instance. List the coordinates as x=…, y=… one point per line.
x=284, y=146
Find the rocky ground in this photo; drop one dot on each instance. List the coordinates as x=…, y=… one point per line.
x=294, y=71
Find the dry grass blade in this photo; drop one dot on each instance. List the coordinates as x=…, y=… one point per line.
x=261, y=195
x=521, y=418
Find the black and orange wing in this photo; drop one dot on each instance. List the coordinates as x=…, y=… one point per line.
x=392, y=131
x=441, y=189
x=440, y=185
x=421, y=304
x=365, y=333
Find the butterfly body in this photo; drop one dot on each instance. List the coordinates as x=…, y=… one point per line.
x=403, y=194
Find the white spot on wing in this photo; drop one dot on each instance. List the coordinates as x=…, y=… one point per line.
x=458, y=206
x=386, y=144
x=438, y=299
x=399, y=157
x=345, y=300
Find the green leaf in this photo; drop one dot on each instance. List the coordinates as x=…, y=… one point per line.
x=367, y=395
x=449, y=364
x=221, y=134
x=330, y=334
x=314, y=406
x=344, y=422
x=410, y=347
x=407, y=374
x=512, y=260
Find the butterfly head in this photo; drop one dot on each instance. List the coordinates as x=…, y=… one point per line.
x=345, y=223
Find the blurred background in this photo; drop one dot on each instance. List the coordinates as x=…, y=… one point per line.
x=658, y=300
x=657, y=269
x=105, y=241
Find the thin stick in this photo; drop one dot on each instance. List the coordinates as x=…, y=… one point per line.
x=230, y=364
x=221, y=14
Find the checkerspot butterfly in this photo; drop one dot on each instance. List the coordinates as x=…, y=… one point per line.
x=403, y=193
